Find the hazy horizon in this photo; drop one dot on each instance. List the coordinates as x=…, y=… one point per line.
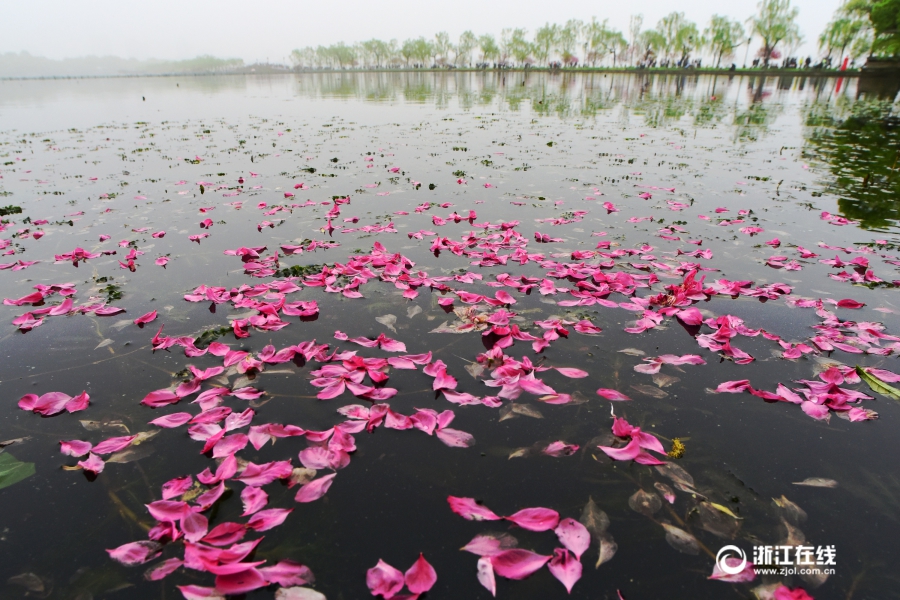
x=269, y=31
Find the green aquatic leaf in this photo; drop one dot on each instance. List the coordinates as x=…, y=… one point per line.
x=878, y=385
x=10, y=210
x=12, y=470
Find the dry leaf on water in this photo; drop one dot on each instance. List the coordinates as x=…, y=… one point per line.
x=818, y=482
x=681, y=540
x=649, y=391
x=644, y=503
x=791, y=512
x=388, y=321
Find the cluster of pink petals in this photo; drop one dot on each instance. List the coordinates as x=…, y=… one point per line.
x=53, y=403
x=835, y=219
x=501, y=558
x=386, y=581
x=582, y=277
x=75, y=256
x=819, y=399
x=638, y=443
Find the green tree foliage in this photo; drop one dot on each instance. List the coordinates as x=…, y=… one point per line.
x=884, y=16
x=680, y=36
x=467, y=43
x=635, y=23
x=859, y=144
x=652, y=43
x=338, y=55
x=775, y=23
x=722, y=36
x=377, y=51
x=489, y=49
x=601, y=40
x=442, y=47
x=840, y=33
x=518, y=46
x=567, y=40
x=544, y=42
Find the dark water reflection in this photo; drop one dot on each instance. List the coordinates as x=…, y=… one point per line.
x=786, y=149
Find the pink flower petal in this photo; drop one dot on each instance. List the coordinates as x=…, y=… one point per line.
x=746, y=574
x=225, y=534
x=629, y=452
x=471, y=510
x=199, y=592
x=75, y=447
x=240, y=583
x=486, y=575
x=93, y=464
x=269, y=518
x=161, y=570
x=535, y=519
x=135, y=553
x=160, y=398
x=253, y=499
x=572, y=373
x=143, y=319
x=384, y=580
x=786, y=593
x=849, y=303
x=613, y=395
x=172, y=420
x=574, y=536
x=78, y=403
x=517, y=563
x=733, y=387
x=455, y=438
x=420, y=577
x=195, y=526
x=565, y=567
x=176, y=487
x=110, y=445
x=315, y=489
x=287, y=573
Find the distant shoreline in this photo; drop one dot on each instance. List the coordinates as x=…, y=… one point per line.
x=814, y=73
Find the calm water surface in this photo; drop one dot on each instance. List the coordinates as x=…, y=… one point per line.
x=105, y=157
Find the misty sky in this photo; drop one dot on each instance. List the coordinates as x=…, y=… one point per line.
x=270, y=29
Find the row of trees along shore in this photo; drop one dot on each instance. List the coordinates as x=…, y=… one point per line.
x=858, y=29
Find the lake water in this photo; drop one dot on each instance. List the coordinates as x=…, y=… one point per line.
x=594, y=191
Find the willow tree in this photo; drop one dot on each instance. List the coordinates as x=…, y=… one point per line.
x=489, y=48
x=408, y=50
x=884, y=16
x=722, y=36
x=442, y=46
x=304, y=58
x=774, y=24
x=467, y=43
x=653, y=44
x=634, y=33
x=544, y=42
x=567, y=40
x=518, y=45
x=840, y=33
x=680, y=36
x=378, y=50
x=600, y=40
